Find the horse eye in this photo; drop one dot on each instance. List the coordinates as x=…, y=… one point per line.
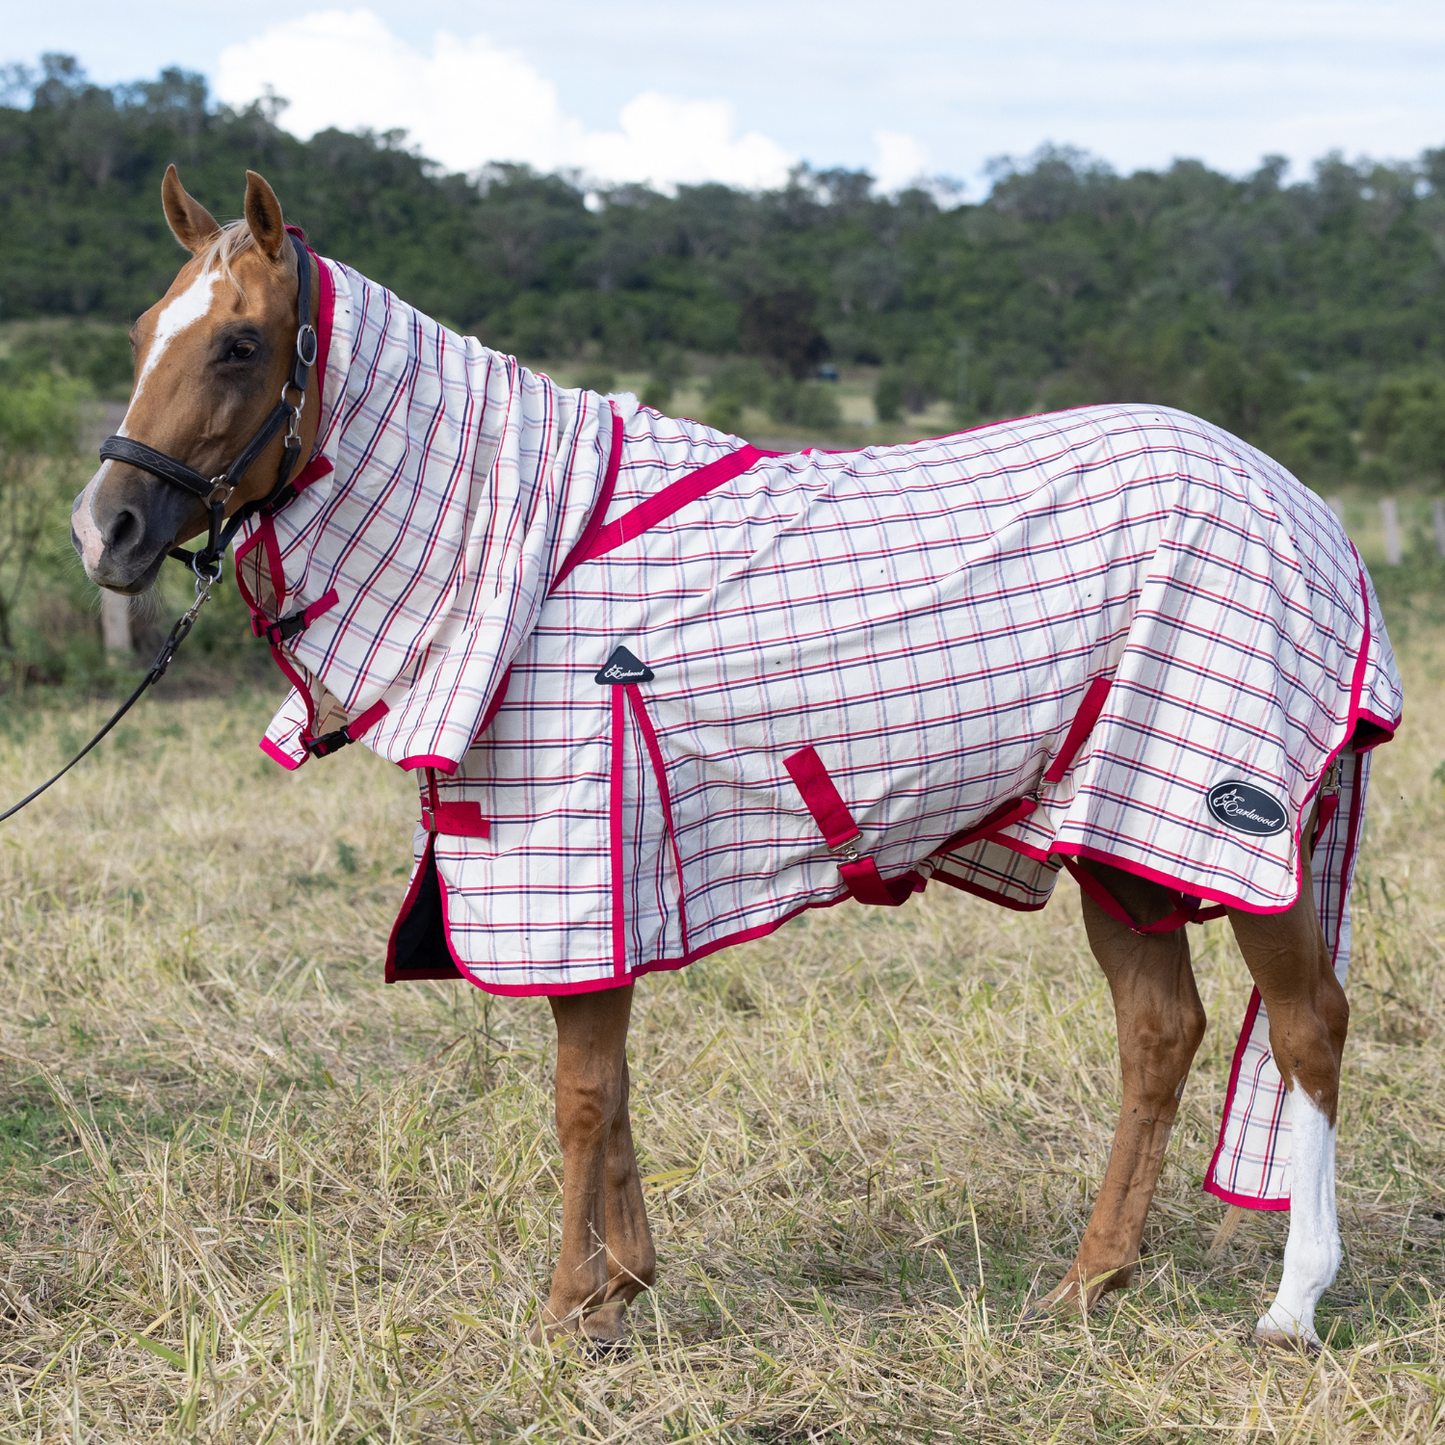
x=241, y=351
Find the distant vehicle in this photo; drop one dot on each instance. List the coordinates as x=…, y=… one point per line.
x=828, y=372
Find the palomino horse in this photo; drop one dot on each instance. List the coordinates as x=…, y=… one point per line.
x=217, y=350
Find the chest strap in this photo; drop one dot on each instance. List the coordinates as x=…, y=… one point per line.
x=294, y=623
x=455, y=820
x=333, y=742
x=451, y=820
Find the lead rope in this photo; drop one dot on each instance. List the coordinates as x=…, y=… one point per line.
x=178, y=635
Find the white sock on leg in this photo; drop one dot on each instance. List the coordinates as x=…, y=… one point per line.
x=1312, y=1250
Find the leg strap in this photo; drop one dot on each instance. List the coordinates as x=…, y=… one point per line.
x=1187, y=910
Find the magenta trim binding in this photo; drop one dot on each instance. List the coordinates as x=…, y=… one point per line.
x=277, y=756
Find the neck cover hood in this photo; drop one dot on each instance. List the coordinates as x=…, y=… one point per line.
x=447, y=487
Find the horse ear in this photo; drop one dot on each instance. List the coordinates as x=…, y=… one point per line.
x=263, y=216
x=190, y=222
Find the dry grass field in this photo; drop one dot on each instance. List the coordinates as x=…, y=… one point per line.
x=251, y=1194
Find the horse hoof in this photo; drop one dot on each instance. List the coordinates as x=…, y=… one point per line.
x=1065, y=1301
x=1049, y=1309
x=1307, y=1342
x=600, y=1336
x=603, y=1351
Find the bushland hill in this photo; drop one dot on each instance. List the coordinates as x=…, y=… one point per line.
x=1307, y=316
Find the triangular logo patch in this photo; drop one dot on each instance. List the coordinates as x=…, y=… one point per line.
x=622, y=667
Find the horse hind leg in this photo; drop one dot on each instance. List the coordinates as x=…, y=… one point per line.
x=1161, y=1022
x=1308, y=1019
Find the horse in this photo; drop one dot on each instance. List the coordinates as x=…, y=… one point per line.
x=236, y=328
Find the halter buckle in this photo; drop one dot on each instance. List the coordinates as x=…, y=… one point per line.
x=306, y=345
x=220, y=492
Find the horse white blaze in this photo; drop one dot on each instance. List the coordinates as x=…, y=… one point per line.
x=82, y=522
x=189, y=307
x=1312, y=1250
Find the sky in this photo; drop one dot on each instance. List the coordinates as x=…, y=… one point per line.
x=668, y=93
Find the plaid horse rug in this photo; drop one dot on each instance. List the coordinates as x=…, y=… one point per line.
x=663, y=691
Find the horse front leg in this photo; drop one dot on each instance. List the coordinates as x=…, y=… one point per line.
x=1161, y=1022
x=591, y=1092
x=631, y=1257
x=1308, y=1019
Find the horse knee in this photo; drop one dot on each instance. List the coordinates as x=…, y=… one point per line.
x=1192, y=1025
x=586, y=1107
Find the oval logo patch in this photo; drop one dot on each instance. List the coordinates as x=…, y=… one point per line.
x=1247, y=809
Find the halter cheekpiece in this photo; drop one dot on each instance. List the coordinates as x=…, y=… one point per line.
x=216, y=491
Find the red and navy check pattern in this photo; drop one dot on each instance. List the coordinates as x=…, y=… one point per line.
x=1251, y=1163
x=927, y=618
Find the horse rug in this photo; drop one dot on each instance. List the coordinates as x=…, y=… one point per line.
x=664, y=691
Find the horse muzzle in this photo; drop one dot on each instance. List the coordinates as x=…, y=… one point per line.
x=124, y=523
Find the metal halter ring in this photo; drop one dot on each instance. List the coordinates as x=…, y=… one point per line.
x=208, y=576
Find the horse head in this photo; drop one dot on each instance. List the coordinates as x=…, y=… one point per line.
x=212, y=357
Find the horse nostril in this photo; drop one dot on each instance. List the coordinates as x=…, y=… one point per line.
x=122, y=530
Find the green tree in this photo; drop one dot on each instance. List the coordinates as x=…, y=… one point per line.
x=39, y=423
x=1405, y=423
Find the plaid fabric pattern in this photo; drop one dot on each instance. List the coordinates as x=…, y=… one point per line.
x=928, y=619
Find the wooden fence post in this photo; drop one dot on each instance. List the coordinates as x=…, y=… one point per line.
x=115, y=628
x=1390, y=520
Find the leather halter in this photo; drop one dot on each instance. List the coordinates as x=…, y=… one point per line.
x=205, y=562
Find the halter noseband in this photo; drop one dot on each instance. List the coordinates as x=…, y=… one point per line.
x=216, y=492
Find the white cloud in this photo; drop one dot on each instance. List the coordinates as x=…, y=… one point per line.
x=669, y=140
x=469, y=102
x=902, y=160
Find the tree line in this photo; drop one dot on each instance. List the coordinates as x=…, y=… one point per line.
x=1308, y=317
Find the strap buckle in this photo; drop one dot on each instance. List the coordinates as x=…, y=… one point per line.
x=1330, y=783
x=282, y=630
x=847, y=850
x=306, y=345
x=327, y=743
x=455, y=820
